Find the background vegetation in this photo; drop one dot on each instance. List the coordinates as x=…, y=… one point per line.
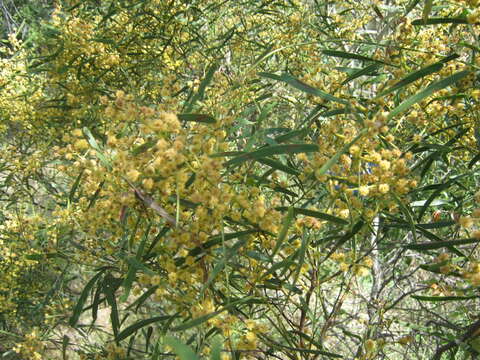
x=239, y=179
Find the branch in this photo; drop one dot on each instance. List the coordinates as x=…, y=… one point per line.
x=471, y=330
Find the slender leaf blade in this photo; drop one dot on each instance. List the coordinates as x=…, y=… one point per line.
x=333, y=160
x=444, y=298
x=284, y=231
x=138, y=325
x=290, y=80
x=221, y=264
x=351, y=56
x=429, y=90
x=315, y=214
x=427, y=9
x=183, y=351
x=201, y=118
x=83, y=298
x=439, y=245
x=200, y=320
x=368, y=70
x=273, y=150
x=75, y=185
x=437, y=21
x=277, y=165
x=416, y=75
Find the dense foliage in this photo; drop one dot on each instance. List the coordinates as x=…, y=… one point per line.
x=240, y=179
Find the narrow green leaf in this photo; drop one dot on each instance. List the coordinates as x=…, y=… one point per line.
x=227, y=153
x=347, y=55
x=91, y=140
x=429, y=235
x=470, y=46
x=368, y=70
x=257, y=256
x=94, y=198
x=203, y=118
x=332, y=161
x=303, y=87
x=444, y=298
x=183, y=351
x=109, y=289
x=207, y=80
x=429, y=90
x=96, y=302
x=335, y=112
x=281, y=265
x=221, y=264
x=284, y=231
x=291, y=135
x=142, y=298
x=65, y=343
x=75, y=187
x=411, y=5
x=216, y=350
x=422, y=229
x=414, y=76
x=217, y=239
x=200, y=95
x=438, y=192
x=407, y=212
x=433, y=225
x=301, y=260
x=273, y=150
x=144, y=147
x=439, y=245
x=347, y=70
x=474, y=160
x=308, y=351
x=284, y=191
x=138, y=325
x=315, y=214
x=277, y=165
x=291, y=288
x=435, y=267
x=93, y=143
x=134, y=262
x=202, y=319
x=141, y=246
x=147, y=336
x=83, y=298
x=426, y=10
x=127, y=282
x=436, y=21
x=350, y=234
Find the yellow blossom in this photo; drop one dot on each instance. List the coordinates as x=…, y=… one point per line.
x=363, y=190
x=465, y=221
x=81, y=144
x=133, y=175
x=383, y=188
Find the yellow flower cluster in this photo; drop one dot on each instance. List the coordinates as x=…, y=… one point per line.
x=108, y=112
x=32, y=347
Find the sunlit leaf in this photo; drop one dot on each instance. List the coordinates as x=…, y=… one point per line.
x=183, y=351
x=273, y=150
x=429, y=90
x=303, y=87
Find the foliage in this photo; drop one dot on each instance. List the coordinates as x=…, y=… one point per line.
x=250, y=179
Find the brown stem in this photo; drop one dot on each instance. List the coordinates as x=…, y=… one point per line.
x=303, y=314
x=471, y=331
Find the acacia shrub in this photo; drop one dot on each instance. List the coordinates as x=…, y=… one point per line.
x=229, y=180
